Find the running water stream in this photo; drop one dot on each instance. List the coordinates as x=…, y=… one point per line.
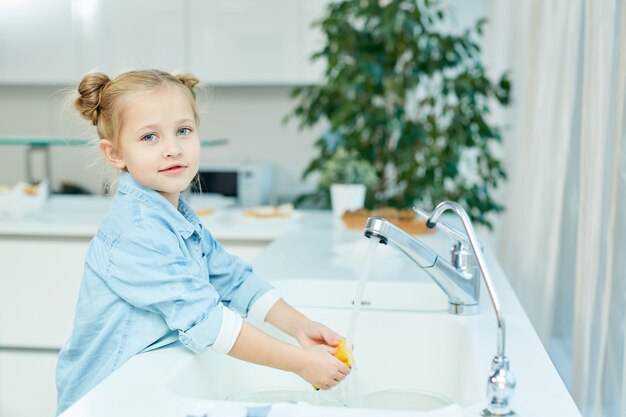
x=351, y=392
x=356, y=308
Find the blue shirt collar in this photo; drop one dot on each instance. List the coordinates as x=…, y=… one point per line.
x=183, y=219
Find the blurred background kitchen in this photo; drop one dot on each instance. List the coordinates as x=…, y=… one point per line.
x=560, y=236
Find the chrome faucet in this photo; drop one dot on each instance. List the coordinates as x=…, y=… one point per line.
x=460, y=280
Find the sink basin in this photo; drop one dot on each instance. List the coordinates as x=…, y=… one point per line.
x=394, y=350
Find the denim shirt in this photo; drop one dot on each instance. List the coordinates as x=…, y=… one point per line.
x=153, y=274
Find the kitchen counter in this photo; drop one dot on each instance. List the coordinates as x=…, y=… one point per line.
x=314, y=249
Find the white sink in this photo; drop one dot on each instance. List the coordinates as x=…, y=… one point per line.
x=394, y=350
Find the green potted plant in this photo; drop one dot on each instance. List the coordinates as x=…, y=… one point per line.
x=411, y=99
x=347, y=176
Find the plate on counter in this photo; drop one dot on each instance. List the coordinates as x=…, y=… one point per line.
x=23, y=199
x=282, y=211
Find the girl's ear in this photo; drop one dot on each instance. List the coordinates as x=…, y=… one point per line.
x=111, y=154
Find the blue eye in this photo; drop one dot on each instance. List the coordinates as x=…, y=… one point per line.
x=149, y=137
x=183, y=131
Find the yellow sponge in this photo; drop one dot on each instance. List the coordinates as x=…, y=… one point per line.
x=343, y=353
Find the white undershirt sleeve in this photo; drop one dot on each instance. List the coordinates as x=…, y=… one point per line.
x=229, y=331
x=262, y=305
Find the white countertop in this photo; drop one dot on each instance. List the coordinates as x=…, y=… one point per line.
x=311, y=248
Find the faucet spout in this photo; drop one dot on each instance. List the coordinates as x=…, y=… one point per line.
x=461, y=285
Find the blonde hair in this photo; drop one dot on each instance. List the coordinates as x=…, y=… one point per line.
x=101, y=100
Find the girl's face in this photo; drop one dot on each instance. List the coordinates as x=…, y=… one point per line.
x=159, y=143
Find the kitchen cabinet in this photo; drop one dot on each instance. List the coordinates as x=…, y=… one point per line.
x=27, y=384
x=38, y=290
x=223, y=42
x=248, y=42
x=39, y=283
x=312, y=40
x=245, y=41
x=58, y=41
x=39, y=42
x=123, y=35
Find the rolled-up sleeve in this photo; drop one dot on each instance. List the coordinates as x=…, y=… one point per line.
x=238, y=286
x=149, y=270
x=198, y=337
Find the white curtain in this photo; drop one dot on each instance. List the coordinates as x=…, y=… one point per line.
x=562, y=240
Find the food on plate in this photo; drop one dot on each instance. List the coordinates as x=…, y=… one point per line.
x=205, y=211
x=268, y=212
x=23, y=198
x=30, y=189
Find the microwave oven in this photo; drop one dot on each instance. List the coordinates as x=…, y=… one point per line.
x=250, y=184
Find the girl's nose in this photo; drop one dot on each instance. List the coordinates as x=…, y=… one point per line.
x=173, y=148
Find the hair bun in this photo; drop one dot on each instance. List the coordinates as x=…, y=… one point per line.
x=90, y=89
x=188, y=81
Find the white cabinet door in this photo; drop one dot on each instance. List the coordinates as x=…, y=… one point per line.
x=39, y=42
x=312, y=41
x=27, y=384
x=235, y=42
x=223, y=42
x=39, y=283
x=58, y=41
x=125, y=35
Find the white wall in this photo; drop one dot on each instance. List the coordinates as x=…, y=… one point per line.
x=250, y=117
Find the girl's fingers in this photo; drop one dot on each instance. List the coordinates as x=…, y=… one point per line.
x=329, y=336
x=329, y=349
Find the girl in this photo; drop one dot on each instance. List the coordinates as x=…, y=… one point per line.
x=153, y=274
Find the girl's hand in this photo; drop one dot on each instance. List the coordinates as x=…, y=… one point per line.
x=315, y=333
x=321, y=369
x=295, y=324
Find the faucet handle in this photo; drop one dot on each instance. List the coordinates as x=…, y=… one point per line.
x=460, y=257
